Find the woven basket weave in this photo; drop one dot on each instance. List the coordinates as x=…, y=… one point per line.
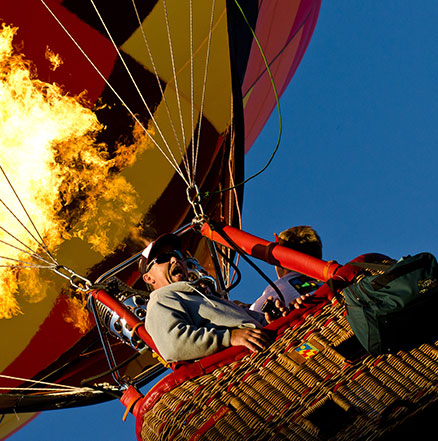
x=305, y=386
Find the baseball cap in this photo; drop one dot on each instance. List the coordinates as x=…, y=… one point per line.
x=154, y=248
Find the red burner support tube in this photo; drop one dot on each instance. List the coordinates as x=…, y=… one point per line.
x=274, y=253
x=124, y=313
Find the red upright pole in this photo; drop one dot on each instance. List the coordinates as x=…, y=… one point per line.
x=125, y=314
x=274, y=253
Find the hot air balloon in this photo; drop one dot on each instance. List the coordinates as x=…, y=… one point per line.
x=129, y=114
x=337, y=390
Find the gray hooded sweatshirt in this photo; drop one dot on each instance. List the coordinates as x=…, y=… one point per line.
x=187, y=325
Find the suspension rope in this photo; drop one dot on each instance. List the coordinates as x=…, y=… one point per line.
x=76, y=280
x=204, y=84
x=172, y=59
x=175, y=167
x=157, y=77
x=24, y=264
x=59, y=391
x=54, y=386
x=31, y=252
x=195, y=144
x=39, y=241
x=190, y=180
x=192, y=86
x=18, y=263
x=135, y=84
x=25, y=228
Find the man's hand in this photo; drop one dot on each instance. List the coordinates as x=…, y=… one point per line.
x=274, y=309
x=254, y=339
x=298, y=302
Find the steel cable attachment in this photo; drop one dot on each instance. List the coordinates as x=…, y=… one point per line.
x=194, y=198
x=76, y=280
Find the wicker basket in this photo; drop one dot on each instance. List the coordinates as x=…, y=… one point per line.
x=315, y=382
x=310, y=384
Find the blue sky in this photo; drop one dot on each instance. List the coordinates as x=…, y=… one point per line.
x=357, y=160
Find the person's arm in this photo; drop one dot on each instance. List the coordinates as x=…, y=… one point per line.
x=176, y=338
x=254, y=339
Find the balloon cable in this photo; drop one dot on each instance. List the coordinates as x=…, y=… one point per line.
x=39, y=241
x=136, y=119
x=54, y=386
x=157, y=77
x=277, y=99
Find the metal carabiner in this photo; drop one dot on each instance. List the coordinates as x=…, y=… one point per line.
x=195, y=201
x=76, y=280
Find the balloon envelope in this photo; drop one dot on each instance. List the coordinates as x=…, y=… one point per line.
x=175, y=88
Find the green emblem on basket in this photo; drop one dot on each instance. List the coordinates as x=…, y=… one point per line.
x=307, y=350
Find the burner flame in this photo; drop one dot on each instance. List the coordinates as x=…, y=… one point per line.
x=58, y=183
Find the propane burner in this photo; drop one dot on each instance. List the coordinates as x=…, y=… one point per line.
x=134, y=300
x=198, y=274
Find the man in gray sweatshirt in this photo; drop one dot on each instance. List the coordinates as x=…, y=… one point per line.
x=186, y=322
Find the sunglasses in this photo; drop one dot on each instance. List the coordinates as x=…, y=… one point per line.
x=163, y=258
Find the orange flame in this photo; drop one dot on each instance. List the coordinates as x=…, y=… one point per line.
x=78, y=315
x=49, y=153
x=54, y=59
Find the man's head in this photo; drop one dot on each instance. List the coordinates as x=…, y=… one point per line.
x=162, y=262
x=301, y=238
